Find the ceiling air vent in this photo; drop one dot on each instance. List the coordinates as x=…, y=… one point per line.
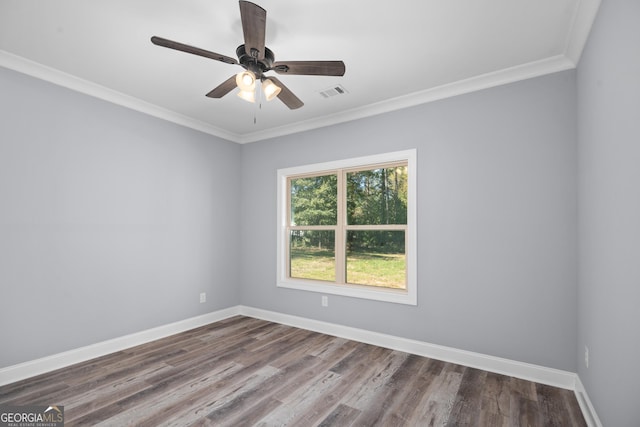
x=333, y=91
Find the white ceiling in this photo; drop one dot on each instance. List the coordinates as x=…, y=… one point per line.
x=397, y=53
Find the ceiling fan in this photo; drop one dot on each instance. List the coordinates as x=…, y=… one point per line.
x=257, y=59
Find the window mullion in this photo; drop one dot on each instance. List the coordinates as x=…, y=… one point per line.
x=312, y=227
x=287, y=231
x=341, y=230
x=399, y=227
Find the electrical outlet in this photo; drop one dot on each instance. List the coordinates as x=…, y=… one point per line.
x=325, y=301
x=586, y=356
x=203, y=297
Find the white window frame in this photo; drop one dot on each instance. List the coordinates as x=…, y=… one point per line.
x=401, y=296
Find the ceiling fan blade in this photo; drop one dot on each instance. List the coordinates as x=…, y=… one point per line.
x=286, y=96
x=159, y=41
x=224, y=88
x=310, y=68
x=254, y=23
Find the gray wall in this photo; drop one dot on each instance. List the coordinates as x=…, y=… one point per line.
x=497, y=208
x=609, y=201
x=111, y=221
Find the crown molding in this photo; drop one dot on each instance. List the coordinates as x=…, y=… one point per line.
x=582, y=21
x=69, y=81
x=485, y=81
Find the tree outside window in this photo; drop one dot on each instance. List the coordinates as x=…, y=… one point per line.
x=349, y=226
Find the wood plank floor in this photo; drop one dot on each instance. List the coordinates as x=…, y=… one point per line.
x=244, y=372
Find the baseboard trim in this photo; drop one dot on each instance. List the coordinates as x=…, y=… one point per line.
x=588, y=411
x=526, y=371
x=35, y=367
x=540, y=374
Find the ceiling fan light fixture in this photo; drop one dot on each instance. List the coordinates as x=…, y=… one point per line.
x=247, y=95
x=270, y=89
x=256, y=59
x=246, y=80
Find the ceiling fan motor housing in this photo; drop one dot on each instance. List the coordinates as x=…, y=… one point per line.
x=251, y=63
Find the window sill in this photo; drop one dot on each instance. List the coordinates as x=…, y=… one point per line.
x=355, y=291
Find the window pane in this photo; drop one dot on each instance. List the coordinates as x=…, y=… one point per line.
x=314, y=200
x=312, y=254
x=377, y=196
x=376, y=258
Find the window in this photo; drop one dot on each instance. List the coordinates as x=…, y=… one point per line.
x=348, y=227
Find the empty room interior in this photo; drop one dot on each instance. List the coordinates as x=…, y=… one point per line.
x=150, y=232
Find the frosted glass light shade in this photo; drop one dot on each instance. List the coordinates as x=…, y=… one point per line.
x=246, y=80
x=247, y=95
x=270, y=89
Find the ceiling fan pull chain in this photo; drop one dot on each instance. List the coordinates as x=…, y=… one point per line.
x=255, y=114
x=259, y=106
